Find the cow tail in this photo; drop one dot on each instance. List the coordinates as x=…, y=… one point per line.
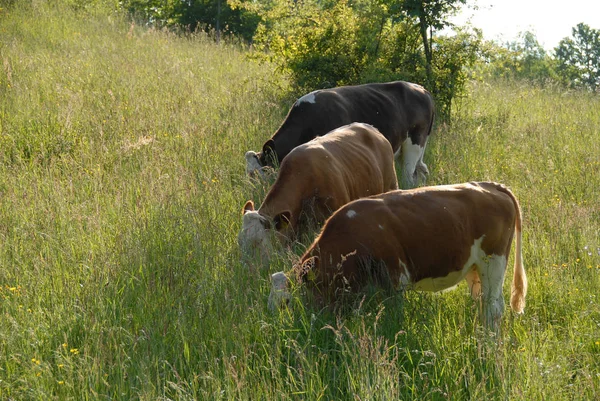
x=432, y=117
x=519, y=283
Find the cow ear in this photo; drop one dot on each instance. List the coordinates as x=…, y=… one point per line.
x=248, y=207
x=282, y=220
x=269, y=146
x=268, y=155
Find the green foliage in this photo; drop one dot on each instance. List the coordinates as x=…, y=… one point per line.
x=434, y=12
x=103, y=6
x=578, y=58
x=318, y=47
x=341, y=43
x=216, y=16
x=430, y=14
x=454, y=57
x=523, y=59
x=575, y=62
x=154, y=12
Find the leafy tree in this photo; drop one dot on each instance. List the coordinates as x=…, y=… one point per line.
x=523, y=58
x=192, y=15
x=578, y=58
x=218, y=15
x=155, y=12
x=431, y=15
x=319, y=45
x=325, y=43
x=455, y=57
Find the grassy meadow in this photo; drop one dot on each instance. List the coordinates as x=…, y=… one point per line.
x=121, y=187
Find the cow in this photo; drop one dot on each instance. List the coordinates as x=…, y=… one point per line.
x=324, y=174
x=402, y=111
x=428, y=239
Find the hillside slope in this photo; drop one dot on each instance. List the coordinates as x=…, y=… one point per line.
x=121, y=185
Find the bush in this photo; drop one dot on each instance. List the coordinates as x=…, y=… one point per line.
x=325, y=45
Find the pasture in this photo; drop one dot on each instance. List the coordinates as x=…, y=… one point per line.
x=121, y=188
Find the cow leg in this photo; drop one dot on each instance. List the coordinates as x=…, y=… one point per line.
x=422, y=170
x=411, y=153
x=491, y=273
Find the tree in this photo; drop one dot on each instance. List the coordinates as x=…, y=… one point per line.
x=430, y=14
x=455, y=57
x=523, y=59
x=578, y=58
x=192, y=15
x=325, y=43
x=217, y=15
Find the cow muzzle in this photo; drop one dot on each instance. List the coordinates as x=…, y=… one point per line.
x=280, y=294
x=253, y=166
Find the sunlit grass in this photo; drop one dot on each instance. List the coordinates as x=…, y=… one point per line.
x=121, y=187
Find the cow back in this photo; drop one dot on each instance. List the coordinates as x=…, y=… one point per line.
x=426, y=232
x=396, y=109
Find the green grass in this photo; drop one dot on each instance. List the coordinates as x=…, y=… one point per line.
x=121, y=187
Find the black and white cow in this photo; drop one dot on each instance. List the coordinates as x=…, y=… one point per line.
x=402, y=111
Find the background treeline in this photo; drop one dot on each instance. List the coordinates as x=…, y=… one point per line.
x=326, y=43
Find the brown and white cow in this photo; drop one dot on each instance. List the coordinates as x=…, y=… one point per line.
x=402, y=111
x=351, y=162
x=428, y=239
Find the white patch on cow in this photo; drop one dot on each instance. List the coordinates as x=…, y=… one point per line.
x=380, y=227
x=411, y=154
x=308, y=98
x=405, y=279
x=491, y=269
x=351, y=214
x=418, y=87
x=252, y=164
x=254, y=236
x=421, y=169
x=450, y=281
x=279, y=291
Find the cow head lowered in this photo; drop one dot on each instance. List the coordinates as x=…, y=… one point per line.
x=259, y=232
x=257, y=162
x=280, y=293
x=303, y=272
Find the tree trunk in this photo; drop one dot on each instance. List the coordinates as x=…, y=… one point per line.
x=218, y=22
x=383, y=19
x=426, y=45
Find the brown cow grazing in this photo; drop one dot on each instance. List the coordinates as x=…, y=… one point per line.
x=428, y=239
x=351, y=162
x=402, y=111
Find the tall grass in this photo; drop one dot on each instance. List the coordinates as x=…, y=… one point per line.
x=121, y=184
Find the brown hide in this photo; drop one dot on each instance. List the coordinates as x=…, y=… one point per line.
x=351, y=162
x=428, y=230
